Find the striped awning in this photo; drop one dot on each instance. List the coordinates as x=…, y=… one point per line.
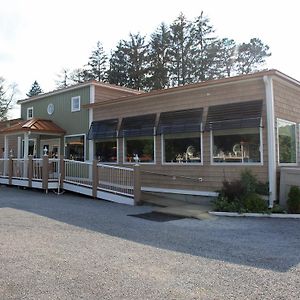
x=138, y=126
x=234, y=115
x=103, y=129
x=180, y=121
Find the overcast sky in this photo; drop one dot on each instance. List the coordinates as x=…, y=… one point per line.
x=39, y=38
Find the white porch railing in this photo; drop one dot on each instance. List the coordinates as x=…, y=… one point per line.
x=115, y=179
x=20, y=168
x=78, y=172
x=37, y=169
x=4, y=167
x=108, y=182
x=54, y=168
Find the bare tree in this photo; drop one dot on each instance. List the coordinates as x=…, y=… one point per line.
x=7, y=97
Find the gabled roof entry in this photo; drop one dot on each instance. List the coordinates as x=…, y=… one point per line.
x=34, y=125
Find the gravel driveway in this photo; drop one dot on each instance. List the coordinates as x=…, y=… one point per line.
x=72, y=247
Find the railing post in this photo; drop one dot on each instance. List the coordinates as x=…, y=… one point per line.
x=10, y=170
x=30, y=170
x=62, y=172
x=95, y=178
x=45, y=172
x=137, y=184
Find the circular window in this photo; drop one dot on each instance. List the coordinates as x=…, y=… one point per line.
x=50, y=109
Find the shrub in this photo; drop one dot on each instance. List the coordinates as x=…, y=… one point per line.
x=278, y=209
x=248, y=181
x=222, y=204
x=262, y=188
x=233, y=191
x=293, y=202
x=254, y=203
x=241, y=195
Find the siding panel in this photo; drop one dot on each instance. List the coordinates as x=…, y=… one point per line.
x=198, y=98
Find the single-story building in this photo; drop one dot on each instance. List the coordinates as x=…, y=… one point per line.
x=187, y=139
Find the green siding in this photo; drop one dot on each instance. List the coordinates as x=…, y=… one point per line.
x=71, y=122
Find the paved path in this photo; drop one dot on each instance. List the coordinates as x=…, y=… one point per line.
x=71, y=247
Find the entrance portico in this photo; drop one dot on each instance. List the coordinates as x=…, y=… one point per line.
x=31, y=134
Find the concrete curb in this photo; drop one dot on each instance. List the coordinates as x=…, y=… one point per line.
x=255, y=215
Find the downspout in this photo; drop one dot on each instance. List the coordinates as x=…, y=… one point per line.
x=91, y=142
x=271, y=139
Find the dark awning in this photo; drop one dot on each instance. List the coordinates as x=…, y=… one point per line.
x=138, y=126
x=180, y=121
x=235, y=115
x=103, y=129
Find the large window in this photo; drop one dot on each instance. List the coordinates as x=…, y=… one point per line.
x=74, y=147
x=182, y=148
x=286, y=132
x=106, y=150
x=236, y=145
x=139, y=149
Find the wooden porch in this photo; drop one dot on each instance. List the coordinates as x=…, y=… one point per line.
x=112, y=183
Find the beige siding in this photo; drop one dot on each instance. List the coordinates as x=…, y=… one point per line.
x=104, y=93
x=200, y=97
x=287, y=105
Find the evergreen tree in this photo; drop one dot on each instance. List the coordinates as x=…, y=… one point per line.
x=136, y=50
x=98, y=64
x=7, y=94
x=118, y=70
x=180, y=51
x=159, y=58
x=128, y=63
x=251, y=56
x=35, y=90
x=204, y=49
x=226, y=57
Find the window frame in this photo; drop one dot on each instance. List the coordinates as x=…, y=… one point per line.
x=296, y=143
x=72, y=104
x=107, y=162
x=237, y=163
x=34, y=140
x=140, y=163
x=163, y=162
x=28, y=110
x=84, y=144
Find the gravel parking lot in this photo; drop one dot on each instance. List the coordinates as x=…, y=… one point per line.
x=72, y=247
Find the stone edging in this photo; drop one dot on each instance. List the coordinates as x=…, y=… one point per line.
x=255, y=215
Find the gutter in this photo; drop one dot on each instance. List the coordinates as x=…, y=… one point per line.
x=268, y=81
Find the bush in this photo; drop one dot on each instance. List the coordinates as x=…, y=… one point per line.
x=249, y=181
x=222, y=204
x=241, y=195
x=254, y=203
x=278, y=209
x=233, y=191
x=293, y=202
x=262, y=188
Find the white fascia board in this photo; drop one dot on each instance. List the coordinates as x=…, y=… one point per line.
x=271, y=138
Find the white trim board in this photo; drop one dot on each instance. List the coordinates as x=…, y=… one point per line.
x=182, y=192
x=4, y=181
x=115, y=198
